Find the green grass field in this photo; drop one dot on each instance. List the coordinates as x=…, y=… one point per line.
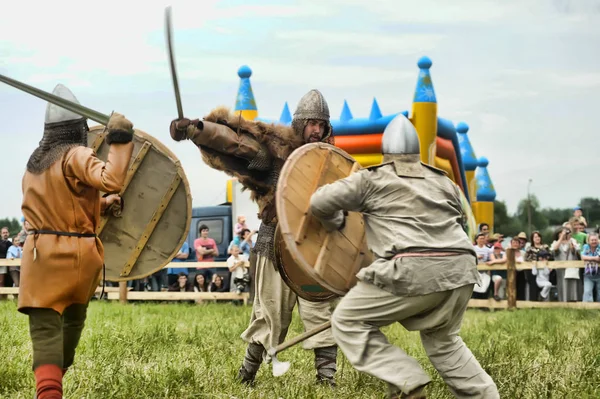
x=193, y=351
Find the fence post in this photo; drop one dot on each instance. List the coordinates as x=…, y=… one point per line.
x=511, y=279
x=123, y=292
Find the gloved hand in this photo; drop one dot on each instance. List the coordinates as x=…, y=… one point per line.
x=343, y=225
x=181, y=129
x=119, y=129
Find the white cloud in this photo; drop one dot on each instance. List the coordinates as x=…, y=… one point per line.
x=360, y=43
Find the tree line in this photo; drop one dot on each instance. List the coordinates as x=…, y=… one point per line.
x=544, y=220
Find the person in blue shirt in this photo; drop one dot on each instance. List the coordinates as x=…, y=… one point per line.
x=243, y=241
x=182, y=255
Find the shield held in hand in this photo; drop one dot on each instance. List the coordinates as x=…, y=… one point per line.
x=148, y=232
x=315, y=264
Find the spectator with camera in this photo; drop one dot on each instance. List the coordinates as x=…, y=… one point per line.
x=532, y=255
x=568, y=283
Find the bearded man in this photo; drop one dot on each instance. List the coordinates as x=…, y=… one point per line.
x=423, y=275
x=254, y=153
x=62, y=256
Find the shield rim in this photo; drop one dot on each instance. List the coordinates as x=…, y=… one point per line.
x=101, y=130
x=281, y=269
x=279, y=203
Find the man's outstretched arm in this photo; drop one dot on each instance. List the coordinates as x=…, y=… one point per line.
x=330, y=201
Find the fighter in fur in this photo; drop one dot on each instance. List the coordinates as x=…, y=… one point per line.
x=62, y=256
x=254, y=152
x=423, y=274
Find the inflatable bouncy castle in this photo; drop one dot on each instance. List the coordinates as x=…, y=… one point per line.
x=443, y=144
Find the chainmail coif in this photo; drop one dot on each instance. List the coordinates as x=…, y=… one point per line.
x=58, y=138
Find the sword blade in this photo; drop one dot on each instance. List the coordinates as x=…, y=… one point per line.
x=61, y=102
x=168, y=31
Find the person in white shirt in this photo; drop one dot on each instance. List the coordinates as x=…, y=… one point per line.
x=483, y=255
x=238, y=266
x=542, y=278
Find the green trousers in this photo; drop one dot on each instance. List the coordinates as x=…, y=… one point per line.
x=55, y=337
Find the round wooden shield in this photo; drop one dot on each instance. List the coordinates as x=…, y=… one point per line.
x=302, y=283
x=146, y=234
x=312, y=258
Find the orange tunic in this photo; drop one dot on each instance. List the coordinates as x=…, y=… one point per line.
x=66, y=197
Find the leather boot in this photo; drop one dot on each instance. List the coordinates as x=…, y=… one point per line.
x=326, y=365
x=251, y=364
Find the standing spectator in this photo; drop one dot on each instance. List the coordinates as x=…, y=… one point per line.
x=173, y=272
x=243, y=241
x=15, y=251
x=484, y=228
x=497, y=257
x=4, y=245
x=520, y=245
x=483, y=255
x=591, y=276
x=578, y=214
x=564, y=247
x=238, y=266
x=206, y=249
x=578, y=234
x=531, y=255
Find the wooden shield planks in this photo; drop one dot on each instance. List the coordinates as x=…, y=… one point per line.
x=157, y=210
x=331, y=260
x=302, y=283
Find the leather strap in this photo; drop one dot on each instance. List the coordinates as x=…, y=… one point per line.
x=424, y=254
x=60, y=233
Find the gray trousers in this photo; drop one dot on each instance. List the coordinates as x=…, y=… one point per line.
x=272, y=311
x=356, y=324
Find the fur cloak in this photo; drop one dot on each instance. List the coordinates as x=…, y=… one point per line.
x=278, y=141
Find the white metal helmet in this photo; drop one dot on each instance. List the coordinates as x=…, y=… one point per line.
x=55, y=113
x=400, y=137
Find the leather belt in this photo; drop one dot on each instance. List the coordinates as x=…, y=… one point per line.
x=424, y=254
x=61, y=233
x=35, y=233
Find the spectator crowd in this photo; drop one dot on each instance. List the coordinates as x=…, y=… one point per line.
x=542, y=283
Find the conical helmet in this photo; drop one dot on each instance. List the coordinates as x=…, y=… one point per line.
x=400, y=137
x=55, y=113
x=312, y=105
x=63, y=130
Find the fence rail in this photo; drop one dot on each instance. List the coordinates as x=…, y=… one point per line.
x=123, y=294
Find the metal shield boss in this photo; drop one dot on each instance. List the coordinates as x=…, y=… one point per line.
x=315, y=264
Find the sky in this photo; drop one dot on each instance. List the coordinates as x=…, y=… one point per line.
x=523, y=75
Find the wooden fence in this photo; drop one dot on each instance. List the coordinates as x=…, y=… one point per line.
x=511, y=285
x=123, y=294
